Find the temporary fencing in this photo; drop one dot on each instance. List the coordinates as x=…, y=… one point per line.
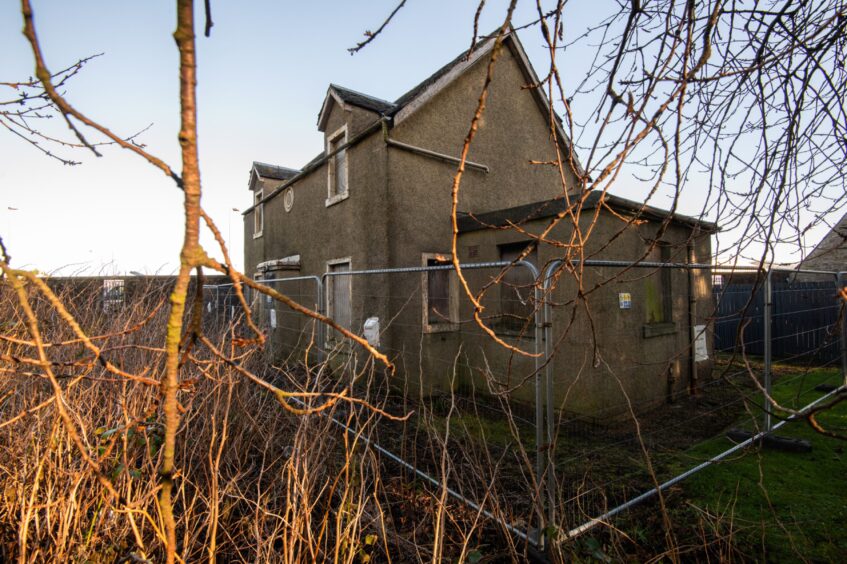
x=576, y=380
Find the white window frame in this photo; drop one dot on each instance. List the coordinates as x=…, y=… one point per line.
x=329, y=304
x=453, y=296
x=258, y=213
x=332, y=198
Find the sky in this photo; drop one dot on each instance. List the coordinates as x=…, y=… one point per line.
x=262, y=77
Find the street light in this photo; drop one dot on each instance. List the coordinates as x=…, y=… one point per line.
x=229, y=228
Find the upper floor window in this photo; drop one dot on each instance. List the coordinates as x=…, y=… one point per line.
x=258, y=213
x=337, y=166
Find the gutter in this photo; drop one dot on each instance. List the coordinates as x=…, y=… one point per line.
x=433, y=155
x=382, y=124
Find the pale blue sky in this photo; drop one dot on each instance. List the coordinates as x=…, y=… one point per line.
x=262, y=77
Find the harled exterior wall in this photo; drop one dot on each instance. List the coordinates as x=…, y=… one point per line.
x=599, y=359
x=352, y=228
x=399, y=208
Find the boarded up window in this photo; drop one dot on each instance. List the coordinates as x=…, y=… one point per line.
x=339, y=295
x=438, y=293
x=338, y=164
x=659, y=298
x=516, y=291
x=258, y=213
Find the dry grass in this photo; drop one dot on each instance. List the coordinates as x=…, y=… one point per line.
x=255, y=482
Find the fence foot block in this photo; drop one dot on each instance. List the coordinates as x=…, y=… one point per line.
x=775, y=442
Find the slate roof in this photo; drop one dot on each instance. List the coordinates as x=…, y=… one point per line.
x=365, y=101
x=539, y=210
x=386, y=108
x=400, y=102
x=274, y=172
x=390, y=109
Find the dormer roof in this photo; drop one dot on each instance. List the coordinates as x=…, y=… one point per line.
x=265, y=171
x=345, y=97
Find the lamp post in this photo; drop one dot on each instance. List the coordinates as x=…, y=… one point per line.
x=229, y=228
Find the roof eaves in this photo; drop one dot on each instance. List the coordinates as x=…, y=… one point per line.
x=548, y=208
x=331, y=96
x=644, y=210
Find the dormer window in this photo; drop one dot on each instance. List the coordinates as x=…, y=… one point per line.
x=258, y=213
x=337, y=166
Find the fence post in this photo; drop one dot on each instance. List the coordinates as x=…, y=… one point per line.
x=768, y=346
x=548, y=373
x=323, y=310
x=839, y=284
x=541, y=464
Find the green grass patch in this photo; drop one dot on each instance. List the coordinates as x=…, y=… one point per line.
x=484, y=430
x=776, y=506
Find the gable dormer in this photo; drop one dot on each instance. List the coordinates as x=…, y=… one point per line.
x=345, y=107
x=267, y=177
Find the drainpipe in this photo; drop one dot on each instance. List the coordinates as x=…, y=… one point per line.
x=692, y=322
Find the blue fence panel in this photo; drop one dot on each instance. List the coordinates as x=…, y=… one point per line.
x=804, y=320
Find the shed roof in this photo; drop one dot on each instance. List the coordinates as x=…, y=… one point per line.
x=549, y=208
